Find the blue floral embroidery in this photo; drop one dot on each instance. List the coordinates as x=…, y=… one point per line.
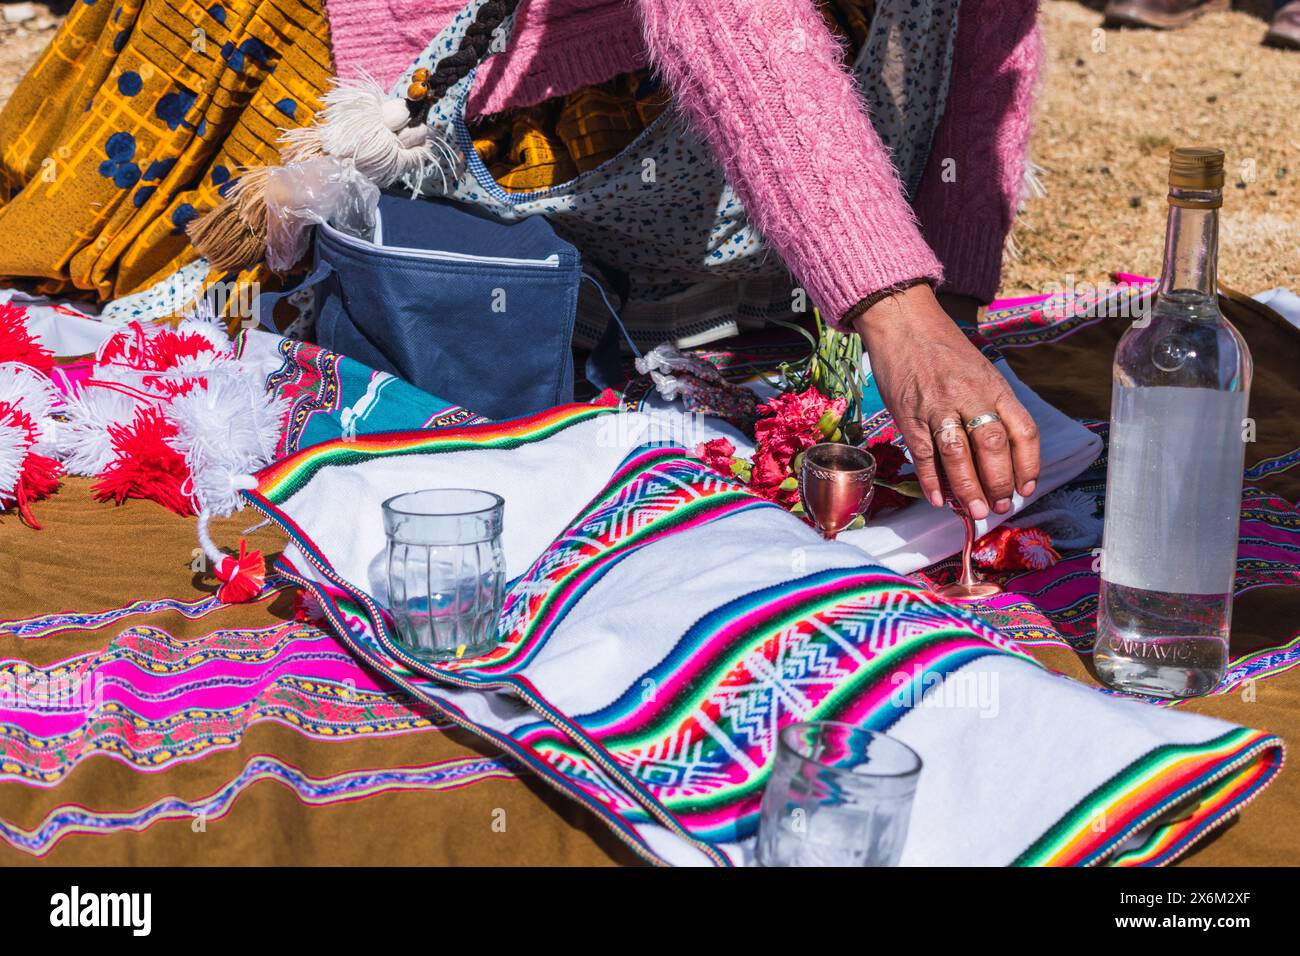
x=172, y=107
x=182, y=215
x=120, y=150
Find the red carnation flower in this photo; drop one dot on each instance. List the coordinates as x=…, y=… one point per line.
x=717, y=454
x=790, y=422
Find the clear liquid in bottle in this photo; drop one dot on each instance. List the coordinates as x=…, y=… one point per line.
x=1173, y=487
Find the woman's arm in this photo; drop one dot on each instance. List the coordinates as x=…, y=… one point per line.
x=973, y=181
x=763, y=83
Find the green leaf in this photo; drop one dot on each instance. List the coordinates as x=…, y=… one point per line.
x=911, y=489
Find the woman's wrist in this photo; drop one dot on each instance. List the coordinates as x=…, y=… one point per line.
x=898, y=312
x=870, y=302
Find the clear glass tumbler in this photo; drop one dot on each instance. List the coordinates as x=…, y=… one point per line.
x=838, y=796
x=446, y=570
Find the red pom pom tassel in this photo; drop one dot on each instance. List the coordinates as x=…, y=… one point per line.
x=146, y=466
x=17, y=344
x=40, y=479
x=243, y=577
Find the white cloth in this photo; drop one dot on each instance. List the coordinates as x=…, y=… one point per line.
x=1009, y=754
x=1284, y=302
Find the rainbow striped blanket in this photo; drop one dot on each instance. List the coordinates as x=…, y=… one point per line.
x=663, y=624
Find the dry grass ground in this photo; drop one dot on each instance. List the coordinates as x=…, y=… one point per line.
x=25, y=29
x=1113, y=102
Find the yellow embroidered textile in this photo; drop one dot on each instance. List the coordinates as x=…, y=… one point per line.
x=133, y=120
x=540, y=147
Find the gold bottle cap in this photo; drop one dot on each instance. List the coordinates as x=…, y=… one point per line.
x=1196, y=167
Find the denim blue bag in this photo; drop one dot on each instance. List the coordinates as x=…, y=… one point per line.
x=475, y=310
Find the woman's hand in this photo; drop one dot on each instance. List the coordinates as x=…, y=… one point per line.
x=930, y=375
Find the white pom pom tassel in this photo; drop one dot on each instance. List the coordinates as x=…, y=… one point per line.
x=25, y=388
x=13, y=449
x=84, y=443
x=361, y=122
x=226, y=430
x=202, y=320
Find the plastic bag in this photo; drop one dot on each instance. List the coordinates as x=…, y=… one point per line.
x=302, y=195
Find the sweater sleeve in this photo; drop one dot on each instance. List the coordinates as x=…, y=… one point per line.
x=762, y=82
x=973, y=181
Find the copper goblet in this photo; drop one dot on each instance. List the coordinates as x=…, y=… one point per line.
x=835, y=485
x=969, y=586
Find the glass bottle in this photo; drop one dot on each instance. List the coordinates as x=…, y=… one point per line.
x=1177, y=444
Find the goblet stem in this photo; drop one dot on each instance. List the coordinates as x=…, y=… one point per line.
x=968, y=576
x=969, y=586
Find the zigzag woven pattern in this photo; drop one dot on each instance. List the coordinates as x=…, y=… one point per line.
x=856, y=645
x=152, y=701
x=48, y=625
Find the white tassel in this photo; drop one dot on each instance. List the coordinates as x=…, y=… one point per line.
x=202, y=320
x=223, y=363
x=359, y=121
x=84, y=444
x=226, y=430
x=13, y=451
x=25, y=388
x=203, y=528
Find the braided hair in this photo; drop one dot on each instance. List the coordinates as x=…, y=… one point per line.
x=429, y=86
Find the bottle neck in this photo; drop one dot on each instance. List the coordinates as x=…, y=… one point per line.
x=1192, y=243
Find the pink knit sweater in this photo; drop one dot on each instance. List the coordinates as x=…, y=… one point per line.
x=787, y=126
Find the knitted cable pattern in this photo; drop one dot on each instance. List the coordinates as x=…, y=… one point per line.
x=779, y=110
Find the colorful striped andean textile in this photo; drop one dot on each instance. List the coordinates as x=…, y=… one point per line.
x=659, y=716
x=143, y=722
x=135, y=119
